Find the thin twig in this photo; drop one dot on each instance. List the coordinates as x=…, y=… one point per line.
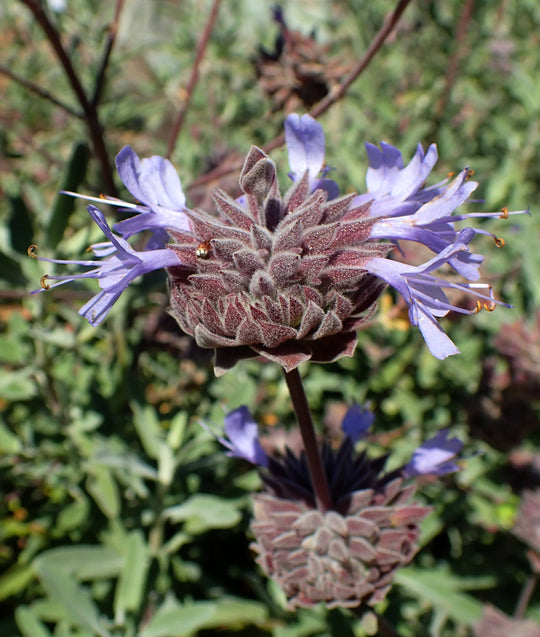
x=109, y=44
x=525, y=597
x=457, y=55
x=90, y=113
x=194, y=77
x=41, y=92
x=388, y=25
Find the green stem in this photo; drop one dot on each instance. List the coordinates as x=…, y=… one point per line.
x=319, y=480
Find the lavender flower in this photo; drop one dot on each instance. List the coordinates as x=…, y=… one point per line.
x=115, y=273
x=357, y=422
x=424, y=293
x=243, y=437
x=434, y=457
x=304, y=137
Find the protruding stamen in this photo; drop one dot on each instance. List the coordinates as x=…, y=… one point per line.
x=504, y=212
x=489, y=307
x=450, y=175
x=478, y=307
x=32, y=251
x=499, y=242
x=470, y=172
x=43, y=282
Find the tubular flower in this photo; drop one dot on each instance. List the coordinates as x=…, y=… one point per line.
x=114, y=273
x=291, y=278
x=242, y=439
x=424, y=293
x=434, y=457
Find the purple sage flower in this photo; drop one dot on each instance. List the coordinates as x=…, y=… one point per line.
x=114, y=273
x=242, y=437
x=434, y=457
x=424, y=292
x=357, y=422
x=304, y=137
x=292, y=277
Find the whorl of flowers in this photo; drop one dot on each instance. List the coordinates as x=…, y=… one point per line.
x=291, y=277
x=282, y=277
x=349, y=554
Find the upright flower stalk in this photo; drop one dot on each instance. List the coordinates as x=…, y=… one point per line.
x=317, y=474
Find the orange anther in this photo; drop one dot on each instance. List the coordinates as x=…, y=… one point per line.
x=504, y=212
x=43, y=283
x=499, y=242
x=32, y=251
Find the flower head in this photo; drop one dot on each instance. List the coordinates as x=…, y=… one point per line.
x=291, y=277
x=347, y=555
x=279, y=277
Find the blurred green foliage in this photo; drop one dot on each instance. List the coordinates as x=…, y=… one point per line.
x=119, y=514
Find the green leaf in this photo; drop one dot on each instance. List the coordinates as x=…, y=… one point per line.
x=64, y=205
x=29, y=624
x=441, y=589
x=202, y=512
x=174, y=620
x=233, y=612
x=147, y=426
x=74, y=599
x=20, y=224
x=102, y=487
x=17, y=385
x=9, y=443
x=130, y=587
x=82, y=562
x=15, y=579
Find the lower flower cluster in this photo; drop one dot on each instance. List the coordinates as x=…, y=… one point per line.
x=346, y=555
x=341, y=559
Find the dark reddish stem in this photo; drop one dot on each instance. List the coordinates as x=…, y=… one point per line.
x=194, y=77
x=109, y=44
x=40, y=92
x=311, y=447
x=90, y=111
x=457, y=56
x=388, y=25
x=386, y=629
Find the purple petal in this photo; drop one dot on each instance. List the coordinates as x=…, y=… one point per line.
x=357, y=422
x=305, y=143
x=152, y=181
x=243, y=437
x=434, y=457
